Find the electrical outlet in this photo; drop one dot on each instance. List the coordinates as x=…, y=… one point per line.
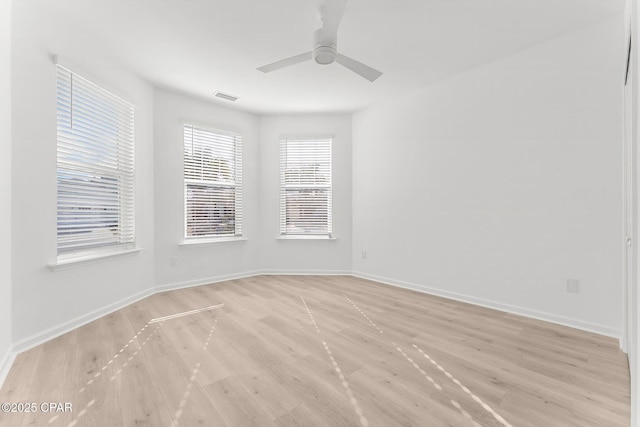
x=364, y=254
x=573, y=285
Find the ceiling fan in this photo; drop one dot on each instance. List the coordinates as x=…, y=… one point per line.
x=325, y=45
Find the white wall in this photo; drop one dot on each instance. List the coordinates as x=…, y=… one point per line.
x=305, y=255
x=186, y=264
x=191, y=264
x=499, y=184
x=5, y=186
x=43, y=299
x=633, y=319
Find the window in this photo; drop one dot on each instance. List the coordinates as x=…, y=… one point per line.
x=212, y=183
x=95, y=166
x=305, y=187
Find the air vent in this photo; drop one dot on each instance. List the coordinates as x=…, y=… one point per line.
x=226, y=96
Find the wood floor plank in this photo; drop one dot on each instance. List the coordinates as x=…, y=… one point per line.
x=301, y=416
x=235, y=405
x=269, y=393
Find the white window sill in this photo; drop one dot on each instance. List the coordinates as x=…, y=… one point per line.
x=211, y=241
x=304, y=237
x=74, y=261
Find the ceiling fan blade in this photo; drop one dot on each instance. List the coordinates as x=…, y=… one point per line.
x=286, y=62
x=358, y=67
x=332, y=11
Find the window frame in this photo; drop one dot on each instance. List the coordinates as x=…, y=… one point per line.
x=95, y=169
x=220, y=134
x=284, y=148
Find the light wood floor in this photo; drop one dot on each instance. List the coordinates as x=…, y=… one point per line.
x=320, y=351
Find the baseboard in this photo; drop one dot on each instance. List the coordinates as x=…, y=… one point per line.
x=539, y=315
x=244, y=275
x=44, y=336
x=276, y=272
x=6, y=362
x=204, y=281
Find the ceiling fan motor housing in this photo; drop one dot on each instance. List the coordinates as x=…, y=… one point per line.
x=324, y=51
x=324, y=55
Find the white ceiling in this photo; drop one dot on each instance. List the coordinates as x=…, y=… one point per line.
x=203, y=46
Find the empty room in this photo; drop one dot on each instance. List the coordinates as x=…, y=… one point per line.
x=319, y=213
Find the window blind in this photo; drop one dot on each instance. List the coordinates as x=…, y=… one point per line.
x=95, y=166
x=305, y=187
x=212, y=182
